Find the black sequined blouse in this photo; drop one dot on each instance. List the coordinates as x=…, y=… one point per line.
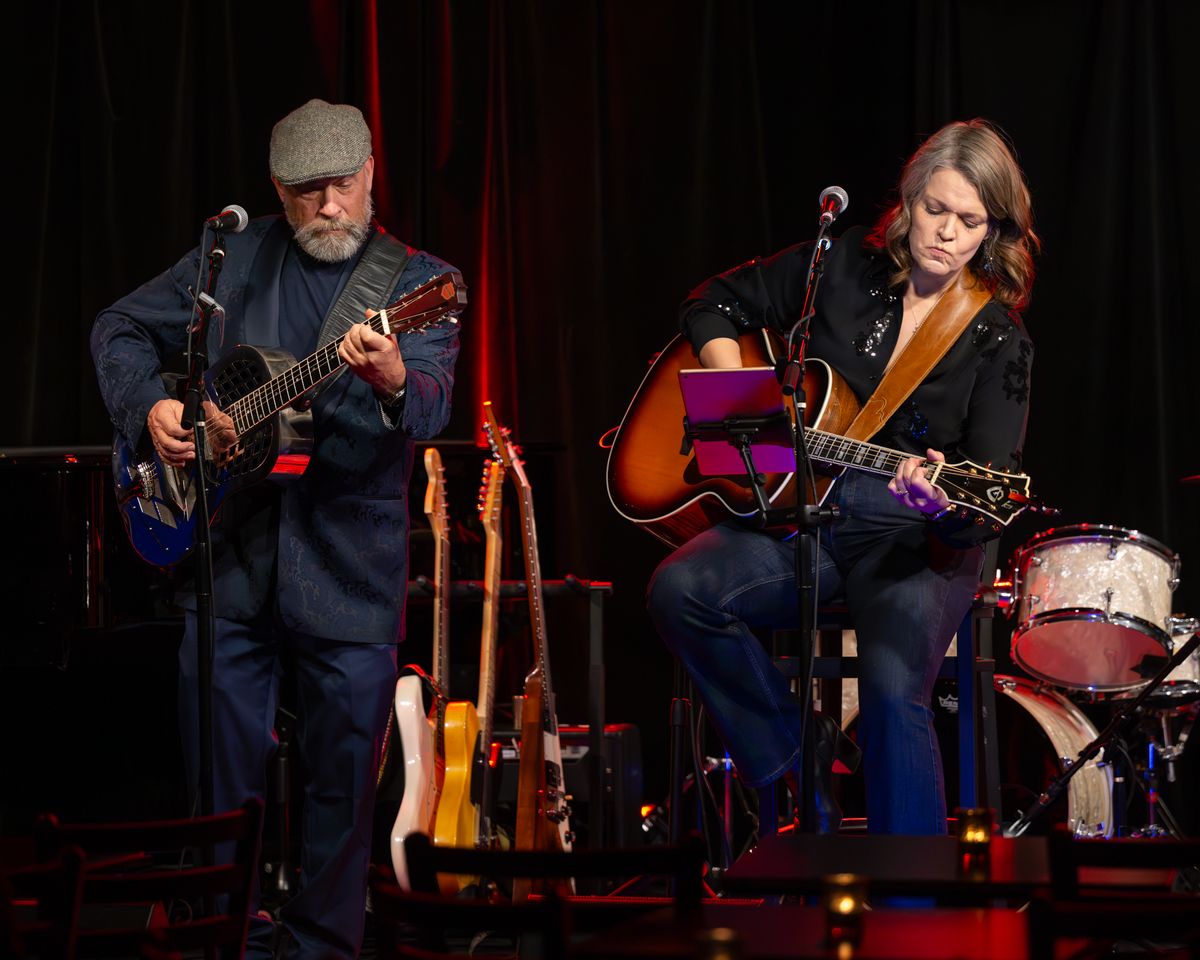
x=973, y=403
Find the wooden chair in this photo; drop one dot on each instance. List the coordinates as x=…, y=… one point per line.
x=120, y=869
x=551, y=918
x=1116, y=889
x=39, y=908
x=418, y=925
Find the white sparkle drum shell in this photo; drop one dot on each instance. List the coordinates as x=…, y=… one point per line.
x=1092, y=605
x=1089, y=794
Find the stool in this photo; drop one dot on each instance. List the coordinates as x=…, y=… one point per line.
x=973, y=666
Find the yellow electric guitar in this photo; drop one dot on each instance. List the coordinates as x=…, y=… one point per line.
x=464, y=815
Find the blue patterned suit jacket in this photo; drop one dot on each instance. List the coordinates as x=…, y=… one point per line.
x=328, y=551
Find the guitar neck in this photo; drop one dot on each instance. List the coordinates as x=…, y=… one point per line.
x=441, y=611
x=428, y=302
x=533, y=578
x=485, y=702
x=831, y=449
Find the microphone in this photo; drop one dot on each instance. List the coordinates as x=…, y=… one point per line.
x=833, y=202
x=232, y=219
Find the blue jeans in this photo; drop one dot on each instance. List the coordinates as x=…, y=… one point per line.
x=344, y=691
x=906, y=592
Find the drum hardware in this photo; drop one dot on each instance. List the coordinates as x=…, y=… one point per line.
x=1160, y=821
x=1120, y=725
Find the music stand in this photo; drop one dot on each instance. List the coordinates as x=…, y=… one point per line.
x=737, y=424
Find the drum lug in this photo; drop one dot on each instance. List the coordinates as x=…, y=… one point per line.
x=1180, y=624
x=1108, y=595
x=1112, y=549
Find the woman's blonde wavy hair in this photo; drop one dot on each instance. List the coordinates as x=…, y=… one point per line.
x=980, y=152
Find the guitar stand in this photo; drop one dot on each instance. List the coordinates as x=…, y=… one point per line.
x=1119, y=726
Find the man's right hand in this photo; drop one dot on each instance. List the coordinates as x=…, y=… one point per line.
x=173, y=443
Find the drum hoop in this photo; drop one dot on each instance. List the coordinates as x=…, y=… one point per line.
x=1173, y=692
x=1087, y=613
x=1094, y=531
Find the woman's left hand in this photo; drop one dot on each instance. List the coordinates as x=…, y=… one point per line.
x=912, y=488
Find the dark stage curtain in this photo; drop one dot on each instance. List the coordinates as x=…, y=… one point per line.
x=586, y=163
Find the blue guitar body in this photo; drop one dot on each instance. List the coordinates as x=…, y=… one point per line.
x=157, y=502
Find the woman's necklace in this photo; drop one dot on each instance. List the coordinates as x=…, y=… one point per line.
x=930, y=308
x=902, y=344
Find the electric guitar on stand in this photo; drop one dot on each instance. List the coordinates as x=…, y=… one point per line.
x=423, y=731
x=464, y=813
x=542, y=811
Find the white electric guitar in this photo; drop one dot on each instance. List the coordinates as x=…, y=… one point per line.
x=422, y=732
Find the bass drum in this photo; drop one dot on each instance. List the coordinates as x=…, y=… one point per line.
x=1046, y=717
x=1038, y=727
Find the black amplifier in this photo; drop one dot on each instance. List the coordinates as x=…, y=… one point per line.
x=621, y=808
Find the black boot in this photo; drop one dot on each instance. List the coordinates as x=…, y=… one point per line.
x=830, y=745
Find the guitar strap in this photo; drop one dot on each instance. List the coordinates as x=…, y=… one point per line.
x=944, y=325
x=374, y=278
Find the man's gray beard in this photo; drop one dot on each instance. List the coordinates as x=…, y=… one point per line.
x=320, y=244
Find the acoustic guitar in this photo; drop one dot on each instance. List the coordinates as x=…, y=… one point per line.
x=653, y=479
x=256, y=417
x=464, y=814
x=423, y=731
x=542, y=810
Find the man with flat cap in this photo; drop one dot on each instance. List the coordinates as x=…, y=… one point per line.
x=311, y=573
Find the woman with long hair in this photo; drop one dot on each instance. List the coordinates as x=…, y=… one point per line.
x=905, y=564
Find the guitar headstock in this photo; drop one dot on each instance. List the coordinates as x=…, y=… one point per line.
x=503, y=448
x=444, y=296
x=491, y=493
x=993, y=493
x=435, y=494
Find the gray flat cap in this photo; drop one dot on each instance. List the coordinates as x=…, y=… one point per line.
x=317, y=141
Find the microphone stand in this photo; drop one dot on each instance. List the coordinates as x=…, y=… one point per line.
x=193, y=418
x=807, y=518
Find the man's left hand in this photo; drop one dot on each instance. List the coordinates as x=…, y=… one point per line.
x=912, y=488
x=374, y=358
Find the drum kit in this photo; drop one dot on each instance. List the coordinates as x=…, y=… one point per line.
x=1093, y=625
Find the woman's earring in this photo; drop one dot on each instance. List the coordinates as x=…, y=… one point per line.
x=988, y=246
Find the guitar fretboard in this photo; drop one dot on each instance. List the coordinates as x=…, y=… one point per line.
x=266, y=400
x=842, y=451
